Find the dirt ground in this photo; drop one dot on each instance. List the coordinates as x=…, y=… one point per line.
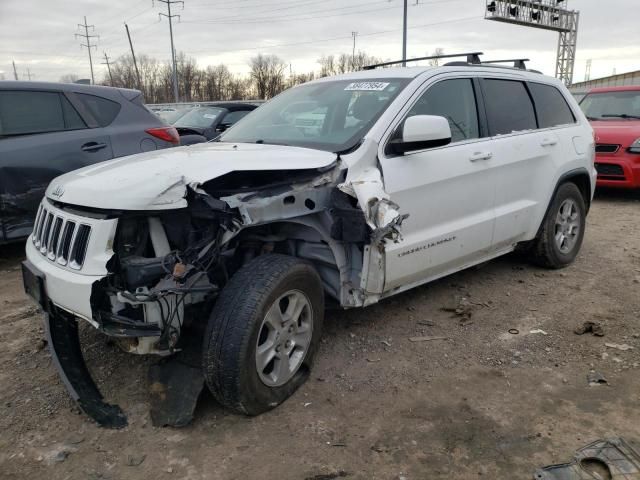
x=479, y=403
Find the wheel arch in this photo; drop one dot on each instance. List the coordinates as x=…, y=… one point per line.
x=580, y=177
x=338, y=263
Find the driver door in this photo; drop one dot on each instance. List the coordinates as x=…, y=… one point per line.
x=447, y=191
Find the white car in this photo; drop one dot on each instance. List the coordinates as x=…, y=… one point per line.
x=236, y=246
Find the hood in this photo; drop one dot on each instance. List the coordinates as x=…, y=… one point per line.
x=157, y=180
x=619, y=132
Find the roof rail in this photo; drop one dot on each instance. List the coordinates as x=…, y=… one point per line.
x=472, y=58
x=517, y=62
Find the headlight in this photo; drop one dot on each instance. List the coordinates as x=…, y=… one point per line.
x=635, y=146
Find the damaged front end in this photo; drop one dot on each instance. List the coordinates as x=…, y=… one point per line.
x=168, y=266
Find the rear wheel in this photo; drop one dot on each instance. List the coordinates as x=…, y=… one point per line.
x=563, y=229
x=263, y=333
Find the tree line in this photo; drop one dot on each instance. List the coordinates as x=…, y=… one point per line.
x=268, y=75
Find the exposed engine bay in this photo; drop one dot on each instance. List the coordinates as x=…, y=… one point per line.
x=168, y=267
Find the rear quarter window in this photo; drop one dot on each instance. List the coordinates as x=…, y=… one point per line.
x=551, y=106
x=103, y=110
x=509, y=107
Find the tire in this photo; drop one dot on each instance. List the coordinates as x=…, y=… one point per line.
x=562, y=230
x=239, y=326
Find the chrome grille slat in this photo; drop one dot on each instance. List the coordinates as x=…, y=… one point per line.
x=61, y=239
x=65, y=242
x=80, y=243
x=35, y=225
x=55, y=238
x=43, y=216
x=44, y=239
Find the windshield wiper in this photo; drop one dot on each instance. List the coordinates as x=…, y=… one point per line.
x=591, y=119
x=620, y=115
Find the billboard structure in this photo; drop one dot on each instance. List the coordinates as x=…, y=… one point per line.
x=548, y=15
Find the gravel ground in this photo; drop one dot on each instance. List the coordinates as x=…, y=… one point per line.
x=476, y=402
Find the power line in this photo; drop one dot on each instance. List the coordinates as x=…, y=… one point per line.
x=342, y=37
x=88, y=38
x=295, y=16
x=173, y=51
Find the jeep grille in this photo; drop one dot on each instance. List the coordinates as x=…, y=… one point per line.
x=59, y=239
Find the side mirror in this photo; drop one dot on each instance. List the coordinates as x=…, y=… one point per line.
x=420, y=132
x=222, y=127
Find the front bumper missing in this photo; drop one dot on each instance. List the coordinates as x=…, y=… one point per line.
x=176, y=381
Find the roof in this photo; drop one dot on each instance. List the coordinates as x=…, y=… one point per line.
x=413, y=72
x=66, y=87
x=628, y=88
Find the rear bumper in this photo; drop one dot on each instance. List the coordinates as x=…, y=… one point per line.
x=618, y=171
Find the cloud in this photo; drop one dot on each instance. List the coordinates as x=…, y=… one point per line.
x=40, y=36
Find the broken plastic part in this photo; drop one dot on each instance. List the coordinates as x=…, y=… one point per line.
x=382, y=215
x=175, y=385
x=611, y=459
x=64, y=345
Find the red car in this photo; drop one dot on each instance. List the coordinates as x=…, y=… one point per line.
x=614, y=113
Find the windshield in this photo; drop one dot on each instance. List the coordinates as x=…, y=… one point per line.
x=612, y=105
x=332, y=116
x=201, y=117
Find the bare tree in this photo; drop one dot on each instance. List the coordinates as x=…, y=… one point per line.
x=267, y=72
x=434, y=62
x=69, y=78
x=335, y=65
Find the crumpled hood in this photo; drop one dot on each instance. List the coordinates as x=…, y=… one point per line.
x=619, y=132
x=157, y=180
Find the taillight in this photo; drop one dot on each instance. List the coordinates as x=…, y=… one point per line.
x=168, y=134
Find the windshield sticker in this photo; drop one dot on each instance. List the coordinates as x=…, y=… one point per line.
x=209, y=115
x=367, y=86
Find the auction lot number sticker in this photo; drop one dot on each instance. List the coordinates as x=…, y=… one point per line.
x=367, y=86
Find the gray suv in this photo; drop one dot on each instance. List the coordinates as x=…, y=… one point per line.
x=47, y=129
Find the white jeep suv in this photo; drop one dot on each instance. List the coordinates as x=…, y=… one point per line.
x=228, y=251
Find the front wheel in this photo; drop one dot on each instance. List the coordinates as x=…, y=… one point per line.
x=562, y=230
x=263, y=333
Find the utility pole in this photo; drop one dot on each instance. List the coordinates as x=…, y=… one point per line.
x=106, y=62
x=173, y=50
x=587, y=71
x=135, y=64
x=404, y=36
x=87, y=38
x=15, y=72
x=353, y=52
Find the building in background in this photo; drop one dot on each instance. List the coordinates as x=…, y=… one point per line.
x=619, y=80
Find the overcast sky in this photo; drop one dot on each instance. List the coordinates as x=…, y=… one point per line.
x=39, y=34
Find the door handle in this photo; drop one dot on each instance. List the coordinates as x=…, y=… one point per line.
x=481, y=156
x=92, y=146
x=548, y=142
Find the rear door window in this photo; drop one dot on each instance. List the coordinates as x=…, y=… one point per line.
x=509, y=107
x=103, y=110
x=551, y=107
x=28, y=112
